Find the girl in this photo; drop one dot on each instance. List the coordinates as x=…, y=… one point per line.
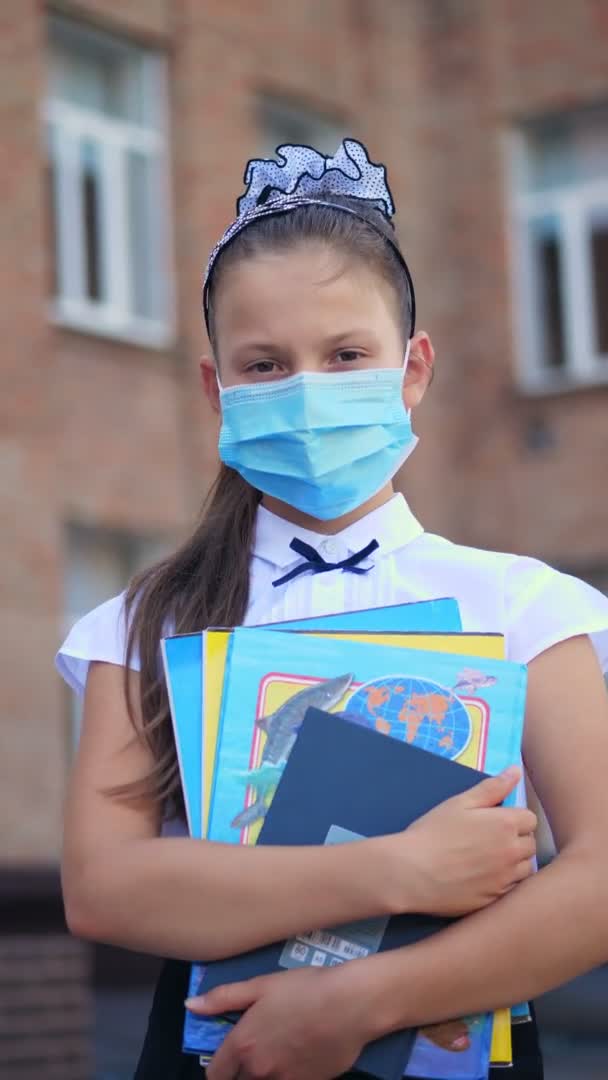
x=310, y=310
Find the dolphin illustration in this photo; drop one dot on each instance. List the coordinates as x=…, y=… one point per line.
x=470, y=680
x=262, y=779
x=281, y=729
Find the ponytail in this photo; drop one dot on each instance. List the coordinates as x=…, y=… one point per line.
x=205, y=583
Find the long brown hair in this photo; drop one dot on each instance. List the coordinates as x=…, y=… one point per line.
x=206, y=582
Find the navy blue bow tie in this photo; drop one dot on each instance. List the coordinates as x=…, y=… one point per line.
x=316, y=564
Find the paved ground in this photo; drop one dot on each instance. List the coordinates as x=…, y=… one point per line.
x=566, y=1059
x=574, y=1029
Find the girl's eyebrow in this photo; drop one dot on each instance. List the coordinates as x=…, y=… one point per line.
x=255, y=346
x=246, y=347
x=356, y=332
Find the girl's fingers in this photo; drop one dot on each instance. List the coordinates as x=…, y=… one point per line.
x=233, y=997
x=527, y=847
x=523, y=870
x=526, y=821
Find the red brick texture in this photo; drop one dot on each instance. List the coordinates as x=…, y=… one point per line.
x=109, y=434
x=45, y=1008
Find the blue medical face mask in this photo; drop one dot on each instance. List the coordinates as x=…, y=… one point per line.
x=322, y=443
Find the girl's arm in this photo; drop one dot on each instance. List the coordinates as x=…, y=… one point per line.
x=189, y=898
x=555, y=925
x=179, y=897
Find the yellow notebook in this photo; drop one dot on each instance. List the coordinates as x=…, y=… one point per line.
x=215, y=652
x=501, y=1054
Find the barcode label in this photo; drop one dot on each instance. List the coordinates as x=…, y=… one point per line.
x=346, y=950
x=300, y=952
x=327, y=948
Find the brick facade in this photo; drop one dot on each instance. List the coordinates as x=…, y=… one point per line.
x=117, y=436
x=110, y=434
x=46, y=1003
x=45, y=1020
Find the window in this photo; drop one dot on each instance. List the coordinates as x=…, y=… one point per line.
x=108, y=185
x=560, y=181
x=99, y=564
x=280, y=122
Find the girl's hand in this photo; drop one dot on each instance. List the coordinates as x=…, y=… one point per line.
x=465, y=853
x=309, y=1024
x=453, y=1035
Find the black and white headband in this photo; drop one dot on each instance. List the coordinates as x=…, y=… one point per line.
x=303, y=177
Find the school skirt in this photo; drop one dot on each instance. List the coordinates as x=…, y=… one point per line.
x=162, y=1057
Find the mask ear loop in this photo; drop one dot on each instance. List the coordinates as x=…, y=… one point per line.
x=406, y=356
x=406, y=359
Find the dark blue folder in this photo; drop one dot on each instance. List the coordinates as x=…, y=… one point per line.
x=342, y=775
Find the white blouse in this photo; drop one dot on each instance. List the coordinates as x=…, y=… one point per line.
x=532, y=604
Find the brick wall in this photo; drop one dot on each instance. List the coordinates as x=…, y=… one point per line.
x=482, y=68
x=31, y=588
x=45, y=1008
x=118, y=436
x=432, y=88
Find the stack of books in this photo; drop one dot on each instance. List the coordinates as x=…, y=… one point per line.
x=281, y=733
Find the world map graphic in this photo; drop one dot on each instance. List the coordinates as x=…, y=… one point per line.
x=417, y=711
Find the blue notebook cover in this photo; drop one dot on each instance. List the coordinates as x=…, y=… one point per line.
x=182, y=660
x=441, y=615
x=328, y=793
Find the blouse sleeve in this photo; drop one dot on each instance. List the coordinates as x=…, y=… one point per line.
x=545, y=606
x=100, y=635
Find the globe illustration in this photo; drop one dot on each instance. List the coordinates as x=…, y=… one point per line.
x=417, y=711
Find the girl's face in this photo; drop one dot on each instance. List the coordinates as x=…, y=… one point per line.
x=305, y=310
x=309, y=309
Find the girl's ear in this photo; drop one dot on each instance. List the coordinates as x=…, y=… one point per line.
x=209, y=380
x=420, y=369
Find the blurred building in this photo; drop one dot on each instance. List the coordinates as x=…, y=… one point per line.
x=124, y=131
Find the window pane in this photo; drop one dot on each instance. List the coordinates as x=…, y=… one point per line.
x=599, y=269
x=98, y=565
x=91, y=201
x=282, y=122
x=149, y=269
x=566, y=150
x=90, y=80
x=547, y=255
x=142, y=90
x=96, y=568
x=99, y=72
x=65, y=187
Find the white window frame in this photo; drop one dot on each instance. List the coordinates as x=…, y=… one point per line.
x=573, y=206
x=114, y=317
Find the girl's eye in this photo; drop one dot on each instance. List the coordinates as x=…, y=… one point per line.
x=348, y=356
x=262, y=367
